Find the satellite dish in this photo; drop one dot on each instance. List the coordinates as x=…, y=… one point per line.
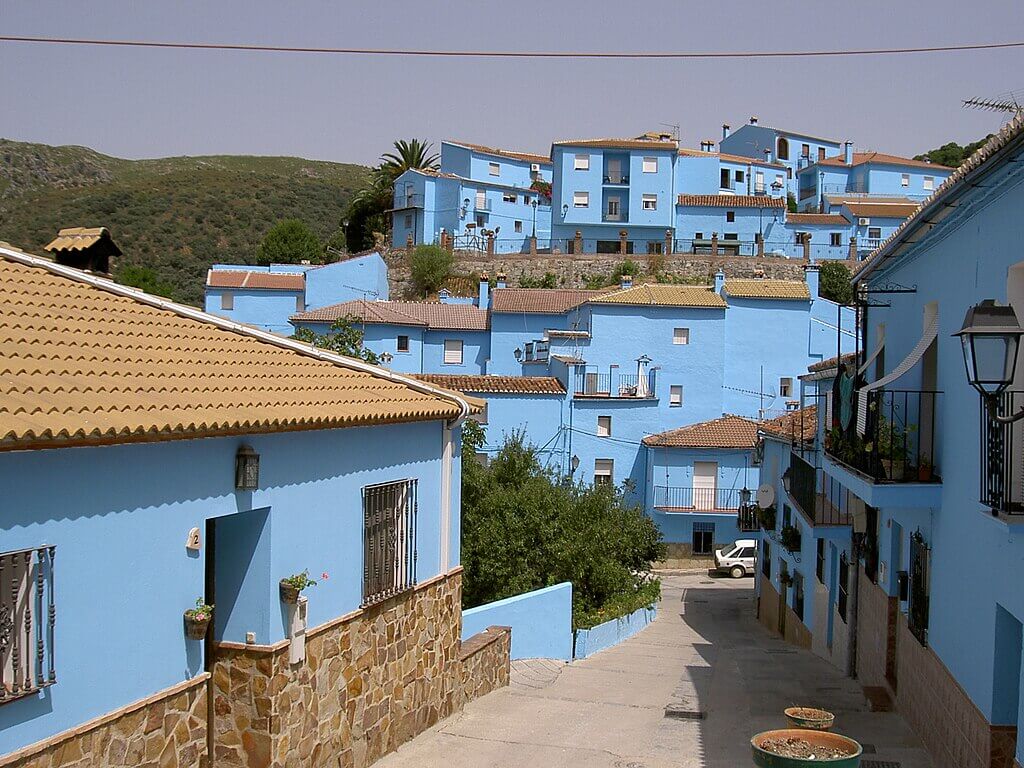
x=765, y=496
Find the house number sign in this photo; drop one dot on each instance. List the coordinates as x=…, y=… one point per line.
x=193, y=541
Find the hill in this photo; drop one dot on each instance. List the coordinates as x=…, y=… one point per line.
x=176, y=215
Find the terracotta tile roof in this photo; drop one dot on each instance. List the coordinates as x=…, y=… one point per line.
x=85, y=364
x=732, y=201
x=878, y=158
x=527, y=157
x=823, y=219
x=456, y=317
x=687, y=152
x=665, y=296
x=552, y=301
x=77, y=238
x=280, y=281
x=768, y=289
x=511, y=385
x=854, y=198
x=652, y=144
x=726, y=432
x=568, y=359
x=1012, y=132
x=801, y=424
x=882, y=210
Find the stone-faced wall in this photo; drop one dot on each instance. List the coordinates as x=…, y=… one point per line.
x=167, y=730
x=768, y=605
x=486, y=664
x=680, y=555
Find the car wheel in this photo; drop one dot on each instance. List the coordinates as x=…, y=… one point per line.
x=737, y=572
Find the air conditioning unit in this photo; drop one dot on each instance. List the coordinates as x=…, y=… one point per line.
x=534, y=167
x=863, y=222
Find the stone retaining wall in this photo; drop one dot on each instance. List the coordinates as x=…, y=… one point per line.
x=680, y=555
x=166, y=730
x=485, y=660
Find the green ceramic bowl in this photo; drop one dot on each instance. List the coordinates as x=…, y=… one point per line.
x=810, y=718
x=764, y=759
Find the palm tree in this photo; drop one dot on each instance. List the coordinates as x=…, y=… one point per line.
x=408, y=154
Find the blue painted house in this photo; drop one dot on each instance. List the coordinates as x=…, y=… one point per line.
x=192, y=457
x=265, y=297
x=929, y=477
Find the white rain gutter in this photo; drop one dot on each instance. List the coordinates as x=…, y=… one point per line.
x=229, y=325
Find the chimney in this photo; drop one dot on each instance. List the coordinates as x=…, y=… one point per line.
x=725, y=130
x=626, y=281
x=502, y=280
x=753, y=119
x=848, y=153
x=719, y=281
x=811, y=276
x=485, y=292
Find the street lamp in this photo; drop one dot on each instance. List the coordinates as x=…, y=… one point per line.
x=574, y=462
x=534, y=204
x=990, y=337
x=565, y=210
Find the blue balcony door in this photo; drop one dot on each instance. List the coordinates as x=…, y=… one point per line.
x=614, y=170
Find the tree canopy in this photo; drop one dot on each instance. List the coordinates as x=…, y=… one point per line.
x=834, y=282
x=290, y=242
x=951, y=153
x=145, y=279
x=343, y=338
x=429, y=267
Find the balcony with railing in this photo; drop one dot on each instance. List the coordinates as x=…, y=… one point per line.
x=610, y=383
x=408, y=201
x=747, y=520
x=482, y=204
x=821, y=500
x=536, y=351
x=669, y=498
x=621, y=179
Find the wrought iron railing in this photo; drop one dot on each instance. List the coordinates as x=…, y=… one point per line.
x=843, y=577
x=819, y=498
x=591, y=382
x=409, y=201
x=890, y=439
x=620, y=179
x=1002, y=468
x=389, y=539
x=920, y=576
x=746, y=519
x=696, y=499
x=27, y=618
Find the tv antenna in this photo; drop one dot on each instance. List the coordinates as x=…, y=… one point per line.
x=675, y=129
x=1008, y=105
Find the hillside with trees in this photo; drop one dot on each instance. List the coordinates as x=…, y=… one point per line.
x=172, y=217
x=952, y=154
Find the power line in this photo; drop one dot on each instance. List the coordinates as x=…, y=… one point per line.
x=510, y=54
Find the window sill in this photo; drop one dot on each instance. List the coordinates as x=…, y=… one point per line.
x=1005, y=522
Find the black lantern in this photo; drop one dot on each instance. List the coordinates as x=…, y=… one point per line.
x=518, y=352
x=247, y=469
x=786, y=480
x=745, y=496
x=574, y=463
x=990, y=338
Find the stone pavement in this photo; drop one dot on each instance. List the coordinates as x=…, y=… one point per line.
x=705, y=653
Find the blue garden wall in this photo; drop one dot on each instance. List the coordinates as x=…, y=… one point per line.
x=590, y=641
x=541, y=622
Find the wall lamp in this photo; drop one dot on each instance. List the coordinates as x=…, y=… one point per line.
x=464, y=209
x=518, y=352
x=386, y=358
x=990, y=337
x=247, y=469
x=574, y=462
x=565, y=209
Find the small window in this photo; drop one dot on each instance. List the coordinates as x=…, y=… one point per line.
x=785, y=387
x=730, y=236
x=805, y=150
x=698, y=235
x=518, y=226
x=875, y=233
x=723, y=176
x=581, y=163
x=494, y=169
x=403, y=344
x=613, y=206
x=300, y=303
x=481, y=199
x=408, y=221
x=604, y=426
x=835, y=238
x=740, y=176
x=780, y=179
x=479, y=220
x=509, y=197
x=603, y=471
x=766, y=559
x=680, y=335
x=650, y=202
x=821, y=154
x=453, y=351
x=389, y=539
x=819, y=562
x=730, y=216
x=27, y=612
x=703, y=538
x=789, y=173
x=580, y=199
x=227, y=300
x=650, y=165
x=929, y=182
x=905, y=180
x=675, y=395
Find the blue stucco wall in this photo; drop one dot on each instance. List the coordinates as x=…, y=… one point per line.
x=124, y=577
x=590, y=641
x=541, y=622
x=364, y=277
x=268, y=310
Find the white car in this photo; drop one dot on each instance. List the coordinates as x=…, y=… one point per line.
x=736, y=559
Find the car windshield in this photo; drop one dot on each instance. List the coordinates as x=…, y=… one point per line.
x=728, y=549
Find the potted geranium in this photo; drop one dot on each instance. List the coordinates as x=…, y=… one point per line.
x=789, y=537
x=198, y=619
x=293, y=585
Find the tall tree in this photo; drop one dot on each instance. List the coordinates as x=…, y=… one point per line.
x=289, y=242
x=408, y=155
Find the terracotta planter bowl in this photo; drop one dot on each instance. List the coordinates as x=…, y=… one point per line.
x=765, y=759
x=195, y=629
x=810, y=718
x=289, y=593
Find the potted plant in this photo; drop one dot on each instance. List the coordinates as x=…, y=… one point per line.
x=924, y=471
x=291, y=586
x=798, y=748
x=785, y=579
x=198, y=619
x=789, y=538
x=766, y=517
x=810, y=718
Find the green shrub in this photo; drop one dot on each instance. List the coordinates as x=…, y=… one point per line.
x=429, y=267
x=289, y=242
x=834, y=282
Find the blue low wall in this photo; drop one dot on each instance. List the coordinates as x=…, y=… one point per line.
x=541, y=622
x=590, y=641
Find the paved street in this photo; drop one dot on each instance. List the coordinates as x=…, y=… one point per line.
x=705, y=652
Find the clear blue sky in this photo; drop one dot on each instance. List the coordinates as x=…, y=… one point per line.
x=151, y=103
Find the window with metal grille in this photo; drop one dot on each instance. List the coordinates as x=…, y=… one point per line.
x=402, y=344
x=766, y=559
x=703, y=538
x=842, y=579
x=27, y=616
x=798, y=594
x=389, y=539
x=920, y=575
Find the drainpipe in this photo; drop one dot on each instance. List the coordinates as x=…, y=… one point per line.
x=195, y=314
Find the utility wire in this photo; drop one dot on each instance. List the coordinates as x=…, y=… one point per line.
x=511, y=54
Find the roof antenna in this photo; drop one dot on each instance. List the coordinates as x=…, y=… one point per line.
x=1009, y=105
x=675, y=129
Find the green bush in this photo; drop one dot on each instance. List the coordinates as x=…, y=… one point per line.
x=834, y=282
x=525, y=528
x=289, y=242
x=429, y=267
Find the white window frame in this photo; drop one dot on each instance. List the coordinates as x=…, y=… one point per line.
x=904, y=179
x=928, y=182
x=227, y=300
x=452, y=352
x=604, y=426
x=518, y=226
x=604, y=471
x=398, y=344
x=681, y=336
x=649, y=202
x=835, y=238
x=614, y=215
x=786, y=387
x=581, y=163
x=509, y=197
x=481, y=198
x=649, y=165
x=580, y=199
x=494, y=169
x=675, y=396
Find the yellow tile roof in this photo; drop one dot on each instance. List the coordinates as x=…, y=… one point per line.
x=83, y=364
x=726, y=432
x=767, y=289
x=665, y=296
x=76, y=238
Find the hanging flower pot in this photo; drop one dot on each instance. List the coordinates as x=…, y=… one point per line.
x=293, y=585
x=197, y=620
